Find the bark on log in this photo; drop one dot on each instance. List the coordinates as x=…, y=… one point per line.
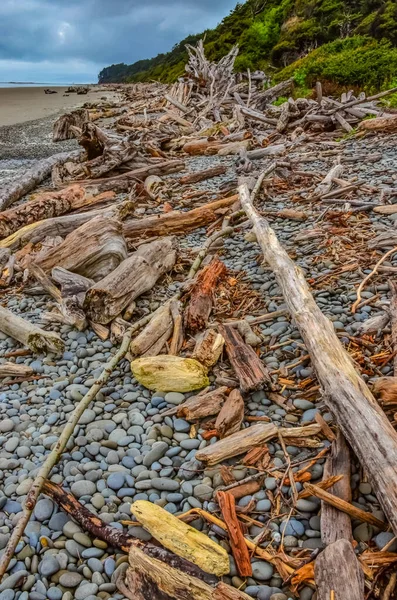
x=245, y=440
x=61, y=129
x=31, y=178
x=36, y=232
x=358, y=415
x=54, y=204
x=209, y=348
x=134, y=276
x=231, y=415
x=201, y=296
x=38, y=340
x=94, y=250
x=202, y=175
x=204, y=405
x=238, y=546
x=337, y=569
x=175, y=223
x=250, y=370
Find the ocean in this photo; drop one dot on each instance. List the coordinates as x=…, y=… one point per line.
x=17, y=84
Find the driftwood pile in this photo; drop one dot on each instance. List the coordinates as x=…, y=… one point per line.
x=106, y=232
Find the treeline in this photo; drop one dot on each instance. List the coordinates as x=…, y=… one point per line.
x=348, y=42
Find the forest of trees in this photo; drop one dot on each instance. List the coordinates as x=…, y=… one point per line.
x=348, y=42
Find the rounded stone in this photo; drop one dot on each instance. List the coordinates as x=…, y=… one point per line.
x=70, y=579
x=262, y=570
x=83, y=488
x=292, y=527
x=43, y=509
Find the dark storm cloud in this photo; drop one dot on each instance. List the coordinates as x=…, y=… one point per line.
x=71, y=40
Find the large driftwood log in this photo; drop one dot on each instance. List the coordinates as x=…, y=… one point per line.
x=36, y=232
x=176, y=223
x=201, y=296
x=31, y=178
x=29, y=335
x=54, y=204
x=134, y=276
x=246, y=439
x=94, y=250
x=363, y=423
x=250, y=370
x=337, y=569
x=61, y=129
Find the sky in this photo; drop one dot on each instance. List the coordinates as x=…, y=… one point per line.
x=70, y=41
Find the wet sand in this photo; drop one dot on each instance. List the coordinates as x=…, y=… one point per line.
x=21, y=104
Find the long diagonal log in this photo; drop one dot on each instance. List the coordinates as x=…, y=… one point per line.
x=174, y=223
x=358, y=415
x=31, y=178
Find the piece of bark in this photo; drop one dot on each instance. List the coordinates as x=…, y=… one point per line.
x=133, y=277
x=149, y=579
x=176, y=223
x=208, y=348
x=385, y=390
x=182, y=539
x=36, y=232
x=61, y=129
x=203, y=175
x=238, y=546
x=14, y=370
x=166, y=373
x=177, y=331
x=246, y=489
x=31, y=178
x=204, y=405
x=231, y=415
x=393, y=319
x=52, y=204
x=337, y=570
x=246, y=439
x=28, y=334
x=94, y=250
x=160, y=326
x=361, y=420
x=201, y=295
x=250, y=370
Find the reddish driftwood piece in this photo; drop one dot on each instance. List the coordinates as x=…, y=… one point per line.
x=200, y=304
x=231, y=416
x=204, y=405
x=236, y=538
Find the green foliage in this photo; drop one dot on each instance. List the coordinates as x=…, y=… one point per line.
x=280, y=100
x=344, y=42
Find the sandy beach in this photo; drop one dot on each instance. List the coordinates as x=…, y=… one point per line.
x=21, y=104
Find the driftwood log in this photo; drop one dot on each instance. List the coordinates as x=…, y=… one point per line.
x=93, y=250
x=61, y=129
x=361, y=420
x=31, y=178
x=176, y=223
x=14, y=370
x=35, y=338
x=134, y=276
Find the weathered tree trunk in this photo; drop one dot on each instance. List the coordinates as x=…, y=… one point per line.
x=53, y=204
x=94, y=250
x=250, y=370
x=38, y=340
x=176, y=223
x=201, y=296
x=134, y=276
x=61, y=129
x=31, y=178
x=359, y=417
x=246, y=439
x=36, y=232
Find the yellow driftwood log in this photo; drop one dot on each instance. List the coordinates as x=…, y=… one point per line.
x=166, y=373
x=180, y=538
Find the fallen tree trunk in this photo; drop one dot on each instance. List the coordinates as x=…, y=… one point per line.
x=38, y=340
x=201, y=296
x=134, y=276
x=94, y=250
x=250, y=370
x=358, y=415
x=54, y=204
x=36, y=232
x=31, y=178
x=176, y=223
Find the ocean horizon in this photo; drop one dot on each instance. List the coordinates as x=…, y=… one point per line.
x=14, y=84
